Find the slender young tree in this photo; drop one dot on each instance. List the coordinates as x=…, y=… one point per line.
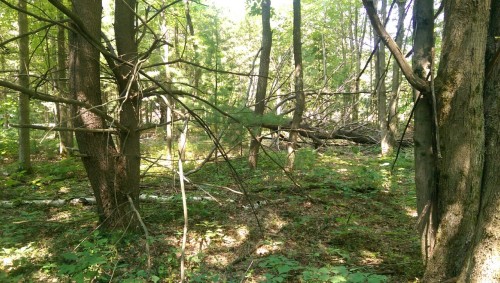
x=396, y=76
x=425, y=148
x=64, y=111
x=300, y=98
x=24, y=100
x=260, y=96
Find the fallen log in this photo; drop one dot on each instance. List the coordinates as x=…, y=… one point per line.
x=359, y=134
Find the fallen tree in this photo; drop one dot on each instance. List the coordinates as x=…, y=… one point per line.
x=358, y=133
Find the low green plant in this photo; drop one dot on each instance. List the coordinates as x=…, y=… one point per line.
x=340, y=274
x=90, y=261
x=280, y=268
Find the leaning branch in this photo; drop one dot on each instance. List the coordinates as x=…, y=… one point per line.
x=62, y=129
x=51, y=98
x=180, y=60
x=415, y=81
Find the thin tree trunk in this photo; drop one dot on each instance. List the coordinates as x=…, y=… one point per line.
x=260, y=96
x=167, y=108
x=396, y=77
x=300, y=99
x=64, y=115
x=24, y=100
x=425, y=157
x=385, y=143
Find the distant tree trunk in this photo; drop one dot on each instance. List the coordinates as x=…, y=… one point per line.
x=396, y=76
x=24, y=100
x=484, y=256
x=300, y=99
x=64, y=115
x=359, y=52
x=113, y=173
x=260, y=96
x=425, y=150
x=380, y=75
x=167, y=106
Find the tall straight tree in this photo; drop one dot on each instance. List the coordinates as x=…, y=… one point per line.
x=386, y=142
x=300, y=98
x=396, y=76
x=24, y=81
x=425, y=148
x=260, y=96
x=64, y=111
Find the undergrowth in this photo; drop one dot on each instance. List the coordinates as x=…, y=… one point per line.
x=342, y=216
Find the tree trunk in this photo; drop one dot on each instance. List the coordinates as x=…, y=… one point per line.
x=300, y=99
x=24, y=100
x=425, y=158
x=380, y=73
x=129, y=160
x=64, y=115
x=459, y=89
x=260, y=96
x=482, y=263
x=106, y=167
x=396, y=76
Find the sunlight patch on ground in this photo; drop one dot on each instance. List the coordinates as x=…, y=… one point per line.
x=411, y=212
x=9, y=256
x=63, y=215
x=269, y=247
x=275, y=223
x=370, y=258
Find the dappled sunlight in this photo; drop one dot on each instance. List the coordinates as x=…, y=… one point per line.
x=11, y=257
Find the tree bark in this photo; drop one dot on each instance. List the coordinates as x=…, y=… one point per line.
x=64, y=115
x=300, y=99
x=110, y=171
x=396, y=77
x=260, y=96
x=425, y=157
x=483, y=258
x=386, y=141
x=24, y=100
x=459, y=90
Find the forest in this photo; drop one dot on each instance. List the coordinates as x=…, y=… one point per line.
x=249, y=141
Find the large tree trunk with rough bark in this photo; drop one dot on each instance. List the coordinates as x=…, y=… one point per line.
x=113, y=173
x=483, y=260
x=467, y=198
x=260, y=96
x=459, y=91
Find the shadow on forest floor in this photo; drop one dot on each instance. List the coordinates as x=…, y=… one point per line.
x=351, y=221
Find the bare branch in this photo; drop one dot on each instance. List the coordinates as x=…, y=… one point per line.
x=407, y=70
x=51, y=98
x=63, y=129
x=180, y=60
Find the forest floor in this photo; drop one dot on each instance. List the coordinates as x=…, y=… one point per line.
x=350, y=220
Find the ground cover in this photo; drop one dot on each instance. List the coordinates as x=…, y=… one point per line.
x=340, y=217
